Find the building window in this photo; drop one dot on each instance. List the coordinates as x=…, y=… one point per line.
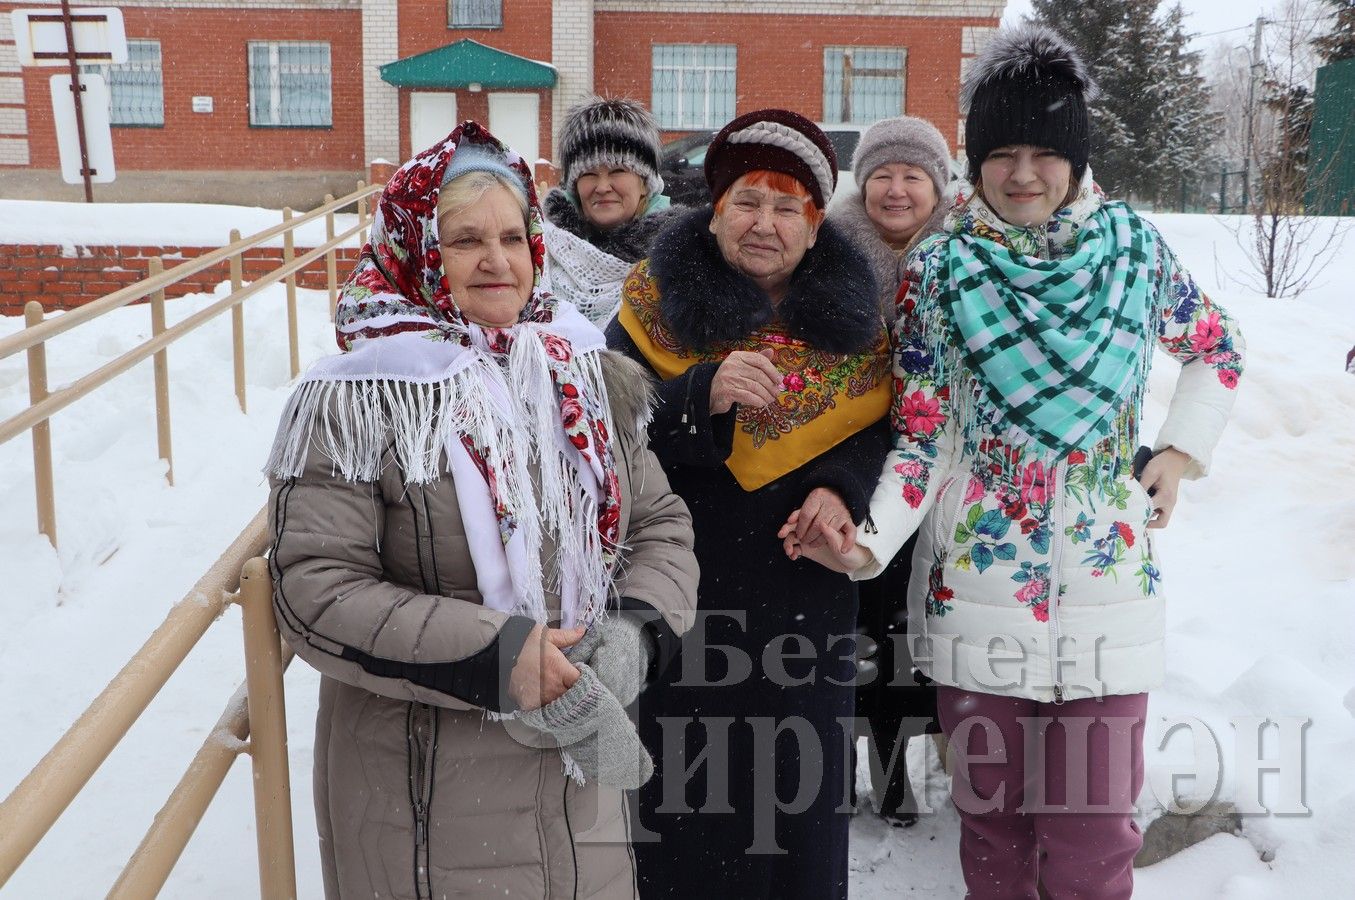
x=693, y=85
x=136, y=87
x=289, y=84
x=475, y=13
x=862, y=85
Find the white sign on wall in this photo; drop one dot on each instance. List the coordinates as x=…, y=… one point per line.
x=202, y=104
x=98, y=132
x=40, y=36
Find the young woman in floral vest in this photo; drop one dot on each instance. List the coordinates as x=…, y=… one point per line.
x=1021, y=356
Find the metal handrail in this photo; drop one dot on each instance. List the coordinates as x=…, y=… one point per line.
x=55, y=402
x=52, y=327
x=257, y=711
x=34, y=805
x=44, y=404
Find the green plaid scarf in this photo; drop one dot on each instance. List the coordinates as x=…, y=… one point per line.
x=1058, y=345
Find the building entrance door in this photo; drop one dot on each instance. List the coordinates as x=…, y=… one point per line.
x=513, y=118
x=432, y=116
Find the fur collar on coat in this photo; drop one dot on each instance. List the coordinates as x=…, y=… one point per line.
x=848, y=213
x=832, y=303
x=630, y=395
x=629, y=241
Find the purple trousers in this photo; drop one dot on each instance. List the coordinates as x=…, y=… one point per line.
x=1045, y=793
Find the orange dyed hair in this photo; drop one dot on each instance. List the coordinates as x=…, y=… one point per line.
x=782, y=184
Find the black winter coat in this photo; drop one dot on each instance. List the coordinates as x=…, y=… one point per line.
x=753, y=599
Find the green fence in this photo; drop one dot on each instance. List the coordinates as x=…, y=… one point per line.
x=1331, y=168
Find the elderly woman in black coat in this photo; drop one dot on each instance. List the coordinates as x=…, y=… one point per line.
x=762, y=323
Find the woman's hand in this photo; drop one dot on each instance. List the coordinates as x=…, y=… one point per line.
x=1162, y=476
x=542, y=673
x=744, y=377
x=833, y=553
x=823, y=512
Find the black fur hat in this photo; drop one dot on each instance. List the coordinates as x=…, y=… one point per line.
x=1028, y=86
x=612, y=132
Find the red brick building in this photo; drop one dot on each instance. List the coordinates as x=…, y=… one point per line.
x=279, y=101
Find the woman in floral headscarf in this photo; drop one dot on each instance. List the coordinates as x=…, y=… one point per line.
x=474, y=547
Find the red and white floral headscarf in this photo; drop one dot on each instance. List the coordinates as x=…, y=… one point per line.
x=487, y=400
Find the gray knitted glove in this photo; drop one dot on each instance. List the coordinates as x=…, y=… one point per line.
x=619, y=650
x=591, y=725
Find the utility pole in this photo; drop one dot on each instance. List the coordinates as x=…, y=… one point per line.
x=1256, y=68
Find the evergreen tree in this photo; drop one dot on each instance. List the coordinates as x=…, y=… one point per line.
x=1284, y=166
x=1339, y=43
x=1151, y=124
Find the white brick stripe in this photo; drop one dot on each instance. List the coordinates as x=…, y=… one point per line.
x=974, y=38
x=13, y=152
x=572, y=55
x=13, y=120
x=12, y=91
x=939, y=8
x=380, y=101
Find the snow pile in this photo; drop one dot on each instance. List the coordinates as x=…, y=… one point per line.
x=1260, y=581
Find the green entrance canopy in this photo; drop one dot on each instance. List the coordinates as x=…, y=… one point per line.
x=465, y=63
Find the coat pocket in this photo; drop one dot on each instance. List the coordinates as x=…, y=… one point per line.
x=948, y=504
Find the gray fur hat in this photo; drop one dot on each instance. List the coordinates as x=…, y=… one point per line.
x=616, y=132
x=903, y=139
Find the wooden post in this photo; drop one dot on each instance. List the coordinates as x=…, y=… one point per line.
x=42, y=432
x=289, y=254
x=162, y=432
x=331, y=262
x=238, y=321
x=267, y=735
x=362, y=215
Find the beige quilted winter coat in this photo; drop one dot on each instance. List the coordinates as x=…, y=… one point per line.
x=418, y=793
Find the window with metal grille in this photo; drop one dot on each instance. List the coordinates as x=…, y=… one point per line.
x=136, y=87
x=693, y=85
x=863, y=84
x=289, y=84
x=475, y=13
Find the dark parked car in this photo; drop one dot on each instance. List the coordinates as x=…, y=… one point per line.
x=680, y=166
x=683, y=158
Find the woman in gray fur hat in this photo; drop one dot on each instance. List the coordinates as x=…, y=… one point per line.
x=609, y=206
x=902, y=166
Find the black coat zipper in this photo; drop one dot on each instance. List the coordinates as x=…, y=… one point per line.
x=421, y=733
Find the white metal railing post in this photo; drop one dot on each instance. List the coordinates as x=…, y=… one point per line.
x=44, y=486
x=331, y=261
x=289, y=254
x=238, y=321
x=267, y=734
x=163, y=437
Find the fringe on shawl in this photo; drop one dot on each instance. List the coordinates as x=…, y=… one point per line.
x=355, y=422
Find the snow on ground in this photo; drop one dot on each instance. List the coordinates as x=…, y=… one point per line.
x=150, y=224
x=1260, y=580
